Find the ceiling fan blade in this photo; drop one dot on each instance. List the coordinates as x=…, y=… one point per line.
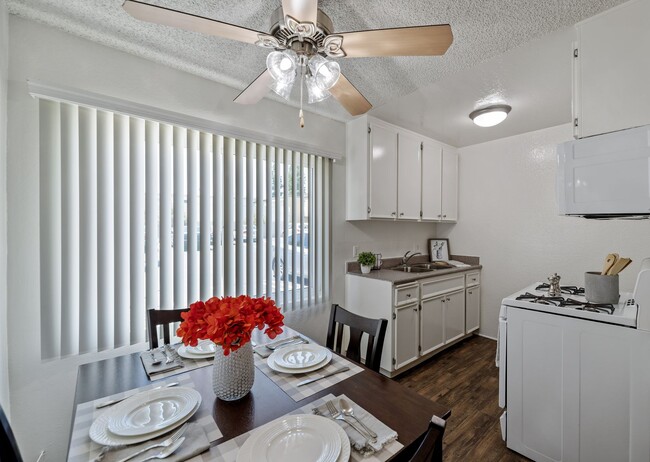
x=190, y=22
x=256, y=90
x=349, y=97
x=301, y=10
x=403, y=41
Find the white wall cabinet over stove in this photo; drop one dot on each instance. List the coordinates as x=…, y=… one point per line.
x=424, y=316
x=612, y=70
x=393, y=173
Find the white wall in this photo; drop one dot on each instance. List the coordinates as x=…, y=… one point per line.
x=4, y=64
x=42, y=392
x=508, y=217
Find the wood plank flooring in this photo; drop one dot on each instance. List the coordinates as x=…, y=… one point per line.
x=465, y=378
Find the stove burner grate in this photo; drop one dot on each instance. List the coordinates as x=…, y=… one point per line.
x=567, y=303
x=570, y=290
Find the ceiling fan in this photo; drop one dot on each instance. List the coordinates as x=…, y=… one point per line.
x=302, y=38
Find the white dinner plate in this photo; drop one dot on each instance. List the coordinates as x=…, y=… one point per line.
x=277, y=368
x=151, y=411
x=182, y=351
x=204, y=347
x=100, y=433
x=284, y=439
x=300, y=356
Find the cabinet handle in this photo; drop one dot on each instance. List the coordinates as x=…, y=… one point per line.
x=415, y=309
x=439, y=216
x=392, y=214
x=408, y=295
x=470, y=292
x=444, y=216
x=401, y=214
x=448, y=299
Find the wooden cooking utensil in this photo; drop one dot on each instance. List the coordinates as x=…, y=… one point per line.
x=609, y=262
x=619, y=266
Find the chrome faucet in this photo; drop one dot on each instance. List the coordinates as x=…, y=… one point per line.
x=406, y=258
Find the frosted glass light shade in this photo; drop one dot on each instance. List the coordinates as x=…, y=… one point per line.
x=326, y=73
x=282, y=88
x=490, y=116
x=314, y=92
x=282, y=65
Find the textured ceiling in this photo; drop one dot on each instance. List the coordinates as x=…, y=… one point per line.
x=482, y=30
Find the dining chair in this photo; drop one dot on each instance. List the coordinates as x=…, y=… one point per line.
x=430, y=450
x=357, y=326
x=8, y=447
x=165, y=318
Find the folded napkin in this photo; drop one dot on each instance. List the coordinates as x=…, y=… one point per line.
x=360, y=443
x=152, y=370
x=265, y=352
x=196, y=442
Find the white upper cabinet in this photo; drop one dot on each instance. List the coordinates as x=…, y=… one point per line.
x=409, y=172
x=431, y=180
x=449, y=184
x=612, y=70
x=393, y=173
x=383, y=165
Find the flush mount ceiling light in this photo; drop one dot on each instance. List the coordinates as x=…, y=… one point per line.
x=491, y=115
x=302, y=38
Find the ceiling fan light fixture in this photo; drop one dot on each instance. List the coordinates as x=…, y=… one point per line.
x=282, y=65
x=491, y=115
x=315, y=93
x=326, y=73
x=282, y=88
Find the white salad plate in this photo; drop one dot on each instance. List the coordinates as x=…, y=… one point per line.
x=300, y=356
x=100, y=433
x=297, y=437
x=152, y=410
x=277, y=368
x=204, y=347
x=184, y=353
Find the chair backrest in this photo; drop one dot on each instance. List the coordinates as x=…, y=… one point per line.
x=165, y=318
x=358, y=325
x=8, y=447
x=430, y=450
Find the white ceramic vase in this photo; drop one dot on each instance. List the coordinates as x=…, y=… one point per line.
x=365, y=269
x=233, y=375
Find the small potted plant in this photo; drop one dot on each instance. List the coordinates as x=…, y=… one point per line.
x=367, y=261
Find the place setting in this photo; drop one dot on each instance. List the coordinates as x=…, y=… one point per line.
x=170, y=359
x=155, y=423
x=303, y=369
x=312, y=433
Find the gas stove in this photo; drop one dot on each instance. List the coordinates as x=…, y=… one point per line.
x=573, y=303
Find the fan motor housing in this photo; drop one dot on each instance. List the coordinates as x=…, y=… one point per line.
x=280, y=31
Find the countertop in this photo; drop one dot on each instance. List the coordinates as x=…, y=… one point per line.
x=399, y=277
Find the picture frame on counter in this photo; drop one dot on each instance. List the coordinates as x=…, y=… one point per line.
x=439, y=249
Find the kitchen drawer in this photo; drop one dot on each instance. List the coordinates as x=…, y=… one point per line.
x=472, y=279
x=406, y=294
x=433, y=287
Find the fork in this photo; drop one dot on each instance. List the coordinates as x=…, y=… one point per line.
x=163, y=444
x=168, y=359
x=166, y=452
x=336, y=415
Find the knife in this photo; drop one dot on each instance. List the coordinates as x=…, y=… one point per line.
x=278, y=343
x=315, y=379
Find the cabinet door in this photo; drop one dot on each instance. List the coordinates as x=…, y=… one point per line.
x=454, y=316
x=472, y=309
x=612, y=91
x=432, y=324
x=406, y=339
x=409, y=177
x=383, y=165
x=449, y=184
x=431, y=180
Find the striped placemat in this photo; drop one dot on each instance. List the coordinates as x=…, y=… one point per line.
x=289, y=382
x=227, y=451
x=83, y=449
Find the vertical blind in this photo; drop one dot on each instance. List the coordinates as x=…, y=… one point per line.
x=138, y=214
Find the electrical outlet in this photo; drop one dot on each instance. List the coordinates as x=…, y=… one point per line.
x=355, y=250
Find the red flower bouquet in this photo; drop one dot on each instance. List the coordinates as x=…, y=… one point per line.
x=229, y=321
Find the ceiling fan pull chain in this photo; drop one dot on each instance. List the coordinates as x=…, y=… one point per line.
x=300, y=114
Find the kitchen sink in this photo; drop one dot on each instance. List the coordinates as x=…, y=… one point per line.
x=413, y=269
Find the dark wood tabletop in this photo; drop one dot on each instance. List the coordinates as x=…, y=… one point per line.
x=397, y=406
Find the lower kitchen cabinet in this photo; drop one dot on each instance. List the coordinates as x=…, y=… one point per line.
x=406, y=325
x=424, y=316
x=472, y=309
x=454, y=316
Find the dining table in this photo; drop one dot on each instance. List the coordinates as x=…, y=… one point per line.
x=396, y=406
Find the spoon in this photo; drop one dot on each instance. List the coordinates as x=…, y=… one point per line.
x=348, y=411
x=167, y=451
x=154, y=361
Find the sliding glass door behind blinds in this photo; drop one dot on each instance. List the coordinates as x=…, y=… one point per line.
x=137, y=214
